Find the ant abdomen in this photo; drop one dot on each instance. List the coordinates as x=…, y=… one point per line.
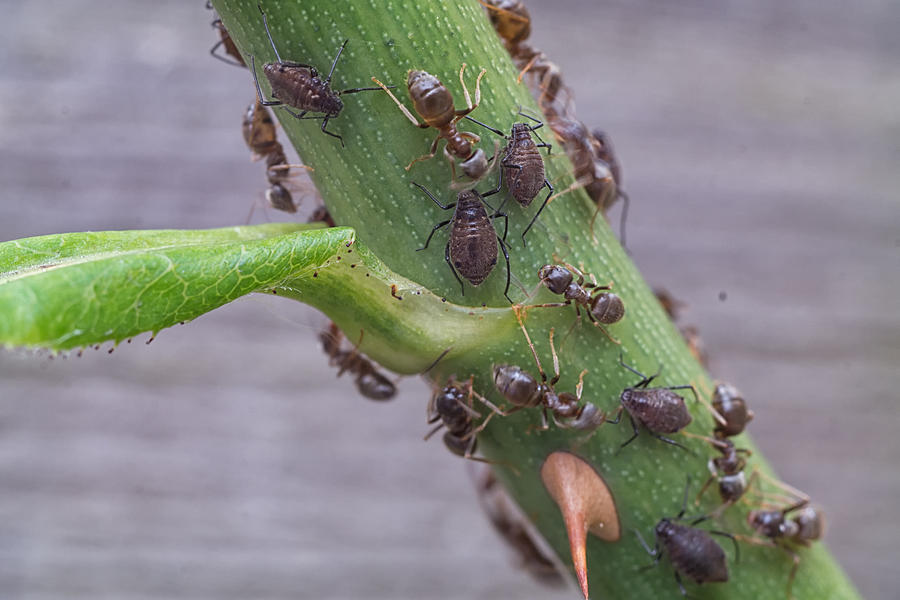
x=519, y=387
x=607, y=308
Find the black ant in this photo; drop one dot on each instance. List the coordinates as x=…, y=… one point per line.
x=452, y=406
x=369, y=381
x=523, y=165
x=660, y=410
x=227, y=44
x=471, y=249
x=602, y=307
x=521, y=389
x=692, y=552
x=259, y=133
x=434, y=103
x=728, y=471
x=510, y=524
x=298, y=85
x=727, y=401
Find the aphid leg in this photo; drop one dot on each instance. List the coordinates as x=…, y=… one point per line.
x=737, y=550
x=325, y=131
x=462, y=286
x=506, y=256
x=680, y=584
x=430, y=235
x=402, y=108
x=271, y=41
x=538, y=213
x=645, y=381
x=663, y=438
x=654, y=552
x=705, y=404
x=488, y=127
x=633, y=437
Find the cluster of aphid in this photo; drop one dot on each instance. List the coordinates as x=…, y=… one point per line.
x=472, y=251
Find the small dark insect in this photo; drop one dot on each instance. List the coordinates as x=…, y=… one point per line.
x=452, y=406
x=728, y=402
x=259, y=133
x=523, y=166
x=592, y=171
x=511, y=525
x=434, y=103
x=369, y=381
x=728, y=471
x=659, y=410
x=471, y=249
x=227, y=44
x=691, y=335
x=321, y=214
x=602, y=307
x=806, y=525
x=297, y=85
x=692, y=552
x=521, y=389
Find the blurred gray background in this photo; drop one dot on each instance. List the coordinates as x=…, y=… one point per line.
x=761, y=148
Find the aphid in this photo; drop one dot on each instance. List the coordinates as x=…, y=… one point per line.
x=727, y=401
x=787, y=531
x=691, y=551
x=660, y=410
x=523, y=166
x=471, y=249
x=297, y=85
x=602, y=307
x=227, y=44
x=370, y=383
x=434, y=103
x=521, y=389
x=510, y=524
x=452, y=406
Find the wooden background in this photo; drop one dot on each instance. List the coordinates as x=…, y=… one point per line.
x=761, y=147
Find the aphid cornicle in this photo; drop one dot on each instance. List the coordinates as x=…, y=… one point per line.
x=298, y=85
x=523, y=166
x=659, y=410
x=434, y=103
x=471, y=249
x=691, y=551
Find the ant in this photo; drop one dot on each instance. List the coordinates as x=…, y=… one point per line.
x=689, y=333
x=727, y=401
x=452, y=406
x=660, y=410
x=510, y=524
x=523, y=165
x=512, y=23
x=298, y=85
x=471, y=249
x=595, y=168
x=259, y=133
x=692, y=552
x=227, y=44
x=784, y=530
x=728, y=471
x=369, y=381
x=434, y=103
x=602, y=307
x=523, y=390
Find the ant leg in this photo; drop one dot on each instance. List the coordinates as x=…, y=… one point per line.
x=224, y=59
x=530, y=344
x=493, y=407
x=340, y=139
x=796, y=558
x=259, y=93
x=450, y=264
x=334, y=64
x=626, y=201
x=430, y=235
x=555, y=360
x=527, y=68
x=430, y=195
x=431, y=154
x=469, y=106
x=433, y=431
x=537, y=214
x=633, y=437
x=402, y=108
x=580, y=387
